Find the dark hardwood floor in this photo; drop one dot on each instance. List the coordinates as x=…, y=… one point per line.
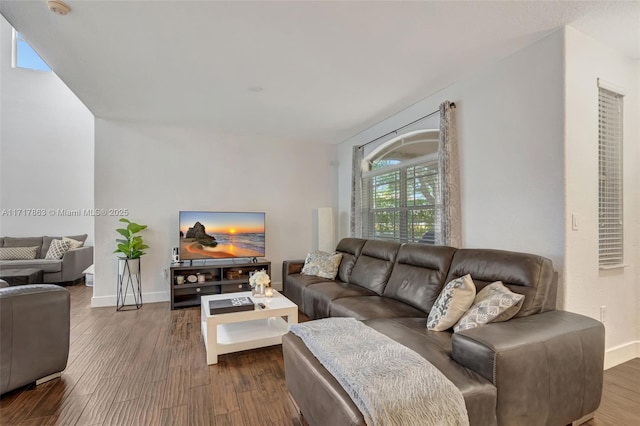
x=148, y=367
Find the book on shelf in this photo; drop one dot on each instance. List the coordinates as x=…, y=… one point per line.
x=236, y=304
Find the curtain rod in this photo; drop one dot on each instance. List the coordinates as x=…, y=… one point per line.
x=453, y=105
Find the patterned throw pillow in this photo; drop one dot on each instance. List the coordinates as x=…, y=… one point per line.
x=57, y=249
x=494, y=303
x=322, y=264
x=18, y=253
x=73, y=244
x=452, y=303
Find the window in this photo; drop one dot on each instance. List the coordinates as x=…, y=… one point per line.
x=610, y=205
x=400, y=184
x=24, y=56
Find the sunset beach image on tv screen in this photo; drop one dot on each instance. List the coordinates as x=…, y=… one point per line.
x=221, y=235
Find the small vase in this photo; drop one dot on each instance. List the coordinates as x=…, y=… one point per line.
x=259, y=290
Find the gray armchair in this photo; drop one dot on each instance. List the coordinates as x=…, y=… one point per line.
x=34, y=334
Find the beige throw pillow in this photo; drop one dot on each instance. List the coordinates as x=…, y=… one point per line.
x=454, y=300
x=73, y=244
x=322, y=264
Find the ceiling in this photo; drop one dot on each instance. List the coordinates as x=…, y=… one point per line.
x=304, y=71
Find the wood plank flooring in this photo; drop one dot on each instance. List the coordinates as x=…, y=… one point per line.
x=148, y=367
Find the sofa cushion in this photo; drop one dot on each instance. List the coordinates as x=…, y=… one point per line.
x=373, y=265
x=350, y=249
x=18, y=253
x=454, y=300
x=47, y=265
x=322, y=264
x=46, y=241
x=24, y=242
x=368, y=307
x=418, y=275
x=494, y=303
x=522, y=273
x=318, y=297
x=294, y=286
x=2, y=242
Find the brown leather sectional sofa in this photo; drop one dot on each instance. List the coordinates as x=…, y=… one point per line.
x=543, y=367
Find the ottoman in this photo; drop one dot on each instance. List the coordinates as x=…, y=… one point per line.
x=21, y=276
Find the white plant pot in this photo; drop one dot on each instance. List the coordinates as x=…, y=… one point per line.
x=133, y=266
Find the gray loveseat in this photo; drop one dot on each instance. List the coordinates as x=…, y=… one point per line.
x=542, y=367
x=69, y=268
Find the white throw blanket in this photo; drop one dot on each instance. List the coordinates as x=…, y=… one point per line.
x=389, y=383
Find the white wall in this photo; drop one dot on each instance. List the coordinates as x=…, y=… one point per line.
x=46, y=150
x=588, y=288
x=510, y=134
x=156, y=171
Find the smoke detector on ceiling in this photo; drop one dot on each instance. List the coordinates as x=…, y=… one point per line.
x=58, y=7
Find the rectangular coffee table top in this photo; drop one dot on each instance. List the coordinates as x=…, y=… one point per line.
x=24, y=272
x=278, y=301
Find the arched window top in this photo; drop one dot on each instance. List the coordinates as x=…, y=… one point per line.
x=403, y=148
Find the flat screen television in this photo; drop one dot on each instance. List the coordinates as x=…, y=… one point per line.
x=221, y=235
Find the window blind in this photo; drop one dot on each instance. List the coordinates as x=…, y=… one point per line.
x=399, y=203
x=610, y=184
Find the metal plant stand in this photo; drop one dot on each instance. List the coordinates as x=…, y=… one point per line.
x=128, y=278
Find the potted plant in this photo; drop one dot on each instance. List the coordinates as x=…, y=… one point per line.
x=131, y=246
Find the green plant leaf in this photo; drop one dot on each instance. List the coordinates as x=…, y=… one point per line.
x=123, y=232
x=134, y=228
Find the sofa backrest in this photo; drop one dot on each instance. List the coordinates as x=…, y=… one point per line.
x=374, y=264
x=43, y=243
x=46, y=242
x=25, y=242
x=419, y=274
x=350, y=249
x=527, y=274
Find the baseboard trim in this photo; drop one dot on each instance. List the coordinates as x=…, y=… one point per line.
x=153, y=297
x=621, y=354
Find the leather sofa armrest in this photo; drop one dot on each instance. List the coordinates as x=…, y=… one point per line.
x=545, y=363
x=290, y=267
x=75, y=261
x=34, y=333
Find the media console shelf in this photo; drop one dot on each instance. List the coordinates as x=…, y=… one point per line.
x=204, y=279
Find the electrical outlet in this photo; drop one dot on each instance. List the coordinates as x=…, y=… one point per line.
x=603, y=313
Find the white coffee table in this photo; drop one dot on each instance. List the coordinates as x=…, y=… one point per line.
x=239, y=331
